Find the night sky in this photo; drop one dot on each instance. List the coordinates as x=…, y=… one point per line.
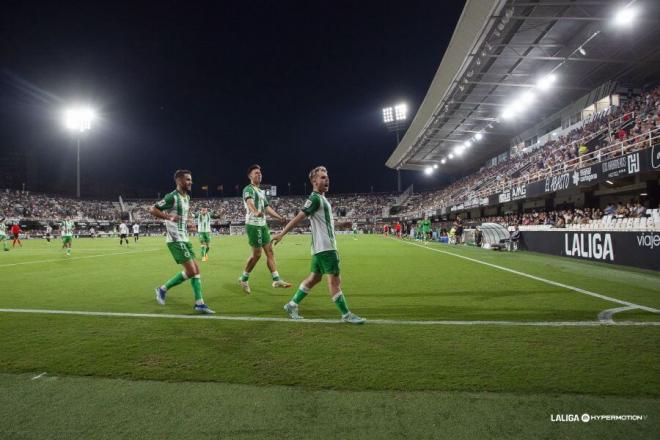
x=214, y=87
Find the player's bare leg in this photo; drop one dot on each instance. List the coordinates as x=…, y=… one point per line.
x=249, y=265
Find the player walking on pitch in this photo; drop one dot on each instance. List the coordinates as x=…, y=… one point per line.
x=325, y=259
x=256, y=208
x=123, y=233
x=3, y=235
x=16, y=235
x=136, y=232
x=174, y=210
x=66, y=231
x=204, y=232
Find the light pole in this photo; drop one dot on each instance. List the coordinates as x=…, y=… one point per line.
x=394, y=119
x=78, y=120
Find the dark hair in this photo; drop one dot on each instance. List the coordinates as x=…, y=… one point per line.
x=181, y=173
x=252, y=167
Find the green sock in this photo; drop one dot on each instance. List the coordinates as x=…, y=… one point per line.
x=177, y=279
x=340, y=302
x=196, y=282
x=203, y=251
x=300, y=294
x=276, y=276
x=68, y=251
x=245, y=276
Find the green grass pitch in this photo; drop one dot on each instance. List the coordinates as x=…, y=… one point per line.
x=128, y=376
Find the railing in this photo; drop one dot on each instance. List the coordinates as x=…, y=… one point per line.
x=618, y=149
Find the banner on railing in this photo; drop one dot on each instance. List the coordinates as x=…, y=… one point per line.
x=618, y=167
x=638, y=249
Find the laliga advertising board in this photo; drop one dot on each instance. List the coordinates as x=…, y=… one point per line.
x=638, y=249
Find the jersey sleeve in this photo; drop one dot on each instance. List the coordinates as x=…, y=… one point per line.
x=166, y=203
x=248, y=192
x=311, y=205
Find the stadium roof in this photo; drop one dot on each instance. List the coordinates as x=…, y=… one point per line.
x=500, y=49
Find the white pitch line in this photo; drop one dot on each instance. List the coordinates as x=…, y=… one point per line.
x=336, y=321
x=543, y=280
x=39, y=375
x=606, y=315
x=64, y=258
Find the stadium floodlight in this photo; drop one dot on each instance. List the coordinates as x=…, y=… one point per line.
x=400, y=112
x=459, y=150
x=443, y=161
x=467, y=144
x=582, y=51
x=78, y=120
x=528, y=97
x=546, y=82
x=624, y=17
x=478, y=136
x=388, y=115
x=435, y=166
x=428, y=171
x=508, y=113
x=451, y=155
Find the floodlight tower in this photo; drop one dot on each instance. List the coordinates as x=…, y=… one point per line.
x=394, y=119
x=78, y=120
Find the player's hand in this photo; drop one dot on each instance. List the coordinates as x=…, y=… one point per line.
x=276, y=239
x=174, y=218
x=259, y=214
x=283, y=220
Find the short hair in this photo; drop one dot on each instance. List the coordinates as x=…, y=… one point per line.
x=181, y=173
x=252, y=167
x=315, y=171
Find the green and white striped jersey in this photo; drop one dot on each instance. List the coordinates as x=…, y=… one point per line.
x=175, y=203
x=3, y=229
x=66, y=228
x=204, y=222
x=258, y=196
x=318, y=209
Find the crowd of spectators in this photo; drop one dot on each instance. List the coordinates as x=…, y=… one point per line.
x=34, y=206
x=618, y=131
x=568, y=216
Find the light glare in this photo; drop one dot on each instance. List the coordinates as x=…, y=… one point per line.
x=546, y=82
x=428, y=171
x=625, y=16
x=478, y=136
x=79, y=118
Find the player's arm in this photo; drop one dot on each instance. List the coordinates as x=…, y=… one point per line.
x=158, y=210
x=292, y=224
x=311, y=206
x=274, y=214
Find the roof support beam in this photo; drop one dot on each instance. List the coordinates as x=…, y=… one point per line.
x=583, y=59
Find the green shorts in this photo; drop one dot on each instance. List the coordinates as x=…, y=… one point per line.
x=3, y=237
x=258, y=236
x=67, y=239
x=205, y=237
x=326, y=262
x=182, y=251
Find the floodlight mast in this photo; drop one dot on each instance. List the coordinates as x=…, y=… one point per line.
x=394, y=118
x=78, y=120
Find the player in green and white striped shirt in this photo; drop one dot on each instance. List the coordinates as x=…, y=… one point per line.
x=174, y=208
x=256, y=207
x=3, y=235
x=66, y=230
x=203, y=220
x=325, y=259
